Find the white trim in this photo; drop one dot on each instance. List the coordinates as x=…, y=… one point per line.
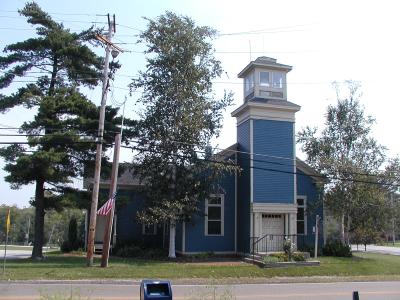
x=304, y=197
x=154, y=229
x=265, y=111
x=251, y=161
x=295, y=165
x=183, y=236
x=274, y=208
x=236, y=192
x=222, y=205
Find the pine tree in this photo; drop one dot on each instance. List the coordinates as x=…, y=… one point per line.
x=60, y=137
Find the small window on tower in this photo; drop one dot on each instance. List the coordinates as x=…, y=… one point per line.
x=264, y=78
x=277, y=80
x=249, y=83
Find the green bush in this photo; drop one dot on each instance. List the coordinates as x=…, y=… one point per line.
x=270, y=259
x=336, y=248
x=281, y=256
x=298, y=256
x=129, y=251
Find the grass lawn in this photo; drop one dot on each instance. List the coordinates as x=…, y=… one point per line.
x=57, y=266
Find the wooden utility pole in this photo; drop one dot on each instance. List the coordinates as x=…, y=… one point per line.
x=110, y=217
x=96, y=177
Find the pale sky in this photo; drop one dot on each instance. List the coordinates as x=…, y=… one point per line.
x=324, y=41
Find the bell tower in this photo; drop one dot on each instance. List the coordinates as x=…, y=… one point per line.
x=266, y=141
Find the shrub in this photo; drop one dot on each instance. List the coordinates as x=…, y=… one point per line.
x=66, y=247
x=336, y=248
x=270, y=259
x=129, y=251
x=281, y=256
x=298, y=256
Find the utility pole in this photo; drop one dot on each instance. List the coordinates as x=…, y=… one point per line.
x=110, y=217
x=96, y=178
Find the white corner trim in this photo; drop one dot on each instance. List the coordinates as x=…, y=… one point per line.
x=251, y=161
x=236, y=194
x=294, y=165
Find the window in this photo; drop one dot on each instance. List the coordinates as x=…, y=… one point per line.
x=301, y=216
x=249, y=83
x=264, y=79
x=149, y=229
x=277, y=80
x=214, y=219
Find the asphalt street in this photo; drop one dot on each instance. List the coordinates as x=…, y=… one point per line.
x=118, y=291
x=377, y=249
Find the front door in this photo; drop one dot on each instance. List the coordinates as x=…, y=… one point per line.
x=273, y=231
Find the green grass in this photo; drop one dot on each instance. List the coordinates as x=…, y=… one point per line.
x=57, y=266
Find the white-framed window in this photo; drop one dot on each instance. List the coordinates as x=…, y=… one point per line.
x=265, y=79
x=301, y=216
x=271, y=79
x=249, y=83
x=277, y=80
x=214, y=215
x=150, y=229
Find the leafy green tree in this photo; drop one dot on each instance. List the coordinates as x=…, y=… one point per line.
x=180, y=116
x=344, y=152
x=60, y=137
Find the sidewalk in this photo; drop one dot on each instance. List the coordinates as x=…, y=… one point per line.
x=377, y=249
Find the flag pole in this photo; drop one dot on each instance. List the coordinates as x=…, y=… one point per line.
x=110, y=216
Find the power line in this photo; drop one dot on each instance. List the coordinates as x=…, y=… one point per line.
x=325, y=177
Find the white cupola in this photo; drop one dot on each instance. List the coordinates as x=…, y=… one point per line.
x=263, y=79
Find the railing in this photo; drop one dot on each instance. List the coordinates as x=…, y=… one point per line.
x=272, y=242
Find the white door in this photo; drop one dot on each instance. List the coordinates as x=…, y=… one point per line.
x=273, y=232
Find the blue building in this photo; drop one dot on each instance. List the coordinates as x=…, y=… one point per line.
x=274, y=197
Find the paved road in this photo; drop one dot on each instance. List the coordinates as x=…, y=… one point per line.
x=13, y=254
x=294, y=291
x=23, y=253
x=377, y=249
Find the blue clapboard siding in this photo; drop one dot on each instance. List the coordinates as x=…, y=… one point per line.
x=243, y=189
x=178, y=237
x=129, y=230
x=306, y=186
x=273, y=176
x=197, y=241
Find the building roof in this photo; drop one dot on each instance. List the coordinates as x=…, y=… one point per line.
x=310, y=171
x=264, y=62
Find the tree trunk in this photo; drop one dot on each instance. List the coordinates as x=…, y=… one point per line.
x=37, y=252
x=172, y=231
x=342, y=229
x=348, y=230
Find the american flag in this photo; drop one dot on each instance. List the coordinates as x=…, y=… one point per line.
x=106, y=208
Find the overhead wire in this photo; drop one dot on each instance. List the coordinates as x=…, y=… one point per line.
x=233, y=151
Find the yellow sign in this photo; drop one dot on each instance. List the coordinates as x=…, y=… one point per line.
x=8, y=222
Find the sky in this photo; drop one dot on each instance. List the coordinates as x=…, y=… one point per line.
x=324, y=41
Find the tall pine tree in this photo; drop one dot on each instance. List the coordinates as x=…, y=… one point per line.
x=60, y=137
